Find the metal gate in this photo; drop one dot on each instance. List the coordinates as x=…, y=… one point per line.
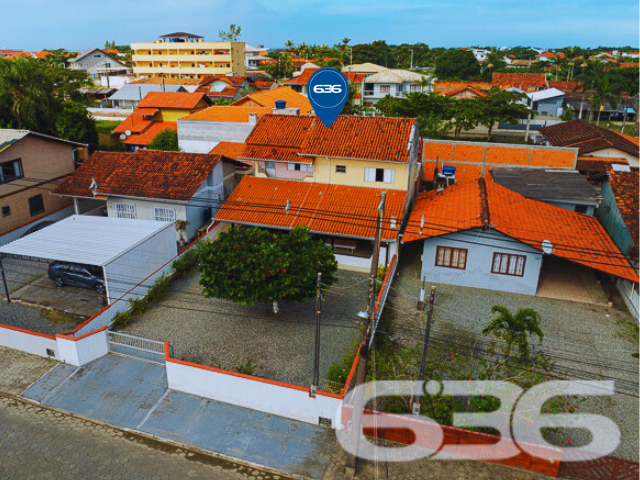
x=132, y=346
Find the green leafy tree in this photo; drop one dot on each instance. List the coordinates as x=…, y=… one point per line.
x=456, y=63
x=501, y=106
x=515, y=328
x=350, y=108
x=231, y=35
x=166, y=140
x=567, y=116
x=466, y=116
x=283, y=68
x=252, y=265
x=74, y=123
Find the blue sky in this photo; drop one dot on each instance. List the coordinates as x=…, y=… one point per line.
x=78, y=24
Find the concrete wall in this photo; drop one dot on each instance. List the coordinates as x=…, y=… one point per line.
x=27, y=341
x=197, y=136
x=43, y=160
x=615, y=153
x=481, y=246
x=80, y=351
x=250, y=392
x=608, y=214
x=134, y=266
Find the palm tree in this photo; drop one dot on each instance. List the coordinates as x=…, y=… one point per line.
x=289, y=45
x=515, y=329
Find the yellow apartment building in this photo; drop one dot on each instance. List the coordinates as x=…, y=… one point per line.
x=184, y=55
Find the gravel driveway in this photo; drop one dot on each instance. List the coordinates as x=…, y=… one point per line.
x=586, y=341
x=224, y=334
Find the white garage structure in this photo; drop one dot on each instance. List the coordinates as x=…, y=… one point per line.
x=127, y=250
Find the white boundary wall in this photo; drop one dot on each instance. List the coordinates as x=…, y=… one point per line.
x=255, y=394
x=84, y=350
x=29, y=342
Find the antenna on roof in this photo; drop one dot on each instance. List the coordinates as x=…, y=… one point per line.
x=287, y=208
x=421, y=224
x=94, y=186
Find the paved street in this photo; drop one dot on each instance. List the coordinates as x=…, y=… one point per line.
x=39, y=443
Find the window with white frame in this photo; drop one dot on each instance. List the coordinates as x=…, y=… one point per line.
x=299, y=167
x=508, y=264
x=379, y=175
x=385, y=88
x=164, y=214
x=415, y=88
x=125, y=210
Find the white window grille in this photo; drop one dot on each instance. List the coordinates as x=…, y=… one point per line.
x=125, y=210
x=164, y=214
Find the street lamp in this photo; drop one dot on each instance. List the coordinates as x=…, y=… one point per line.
x=411, y=67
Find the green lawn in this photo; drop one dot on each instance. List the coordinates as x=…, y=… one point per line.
x=106, y=126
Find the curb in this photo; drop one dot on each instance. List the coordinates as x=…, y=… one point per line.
x=160, y=441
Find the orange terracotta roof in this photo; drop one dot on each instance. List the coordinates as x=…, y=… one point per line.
x=575, y=237
x=303, y=78
x=114, y=51
x=14, y=55
x=233, y=80
x=262, y=85
x=267, y=98
x=136, y=122
x=141, y=174
x=587, y=137
x=276, y=154
x=364, y=138
x=478, y=93
x=146, y=136
x=326, y=209
x=629, y=64
x=228, y=113
x=624, y=186
x=41, y=55
x=230, y=150
x=177, y=100
x=598, y=165
x=523, y=81
x=566, y=86
x=635, y=140
x=551, y=55
x=227, y=92
x=445, y=86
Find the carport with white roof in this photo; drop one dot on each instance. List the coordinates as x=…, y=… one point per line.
x=127, y=250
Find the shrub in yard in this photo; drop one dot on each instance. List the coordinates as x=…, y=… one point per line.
x=122, y=319
x=339, y=371
x=138, y=305
x=159, y=289
x=187, y=261
x=247, y=368
x=382, y=272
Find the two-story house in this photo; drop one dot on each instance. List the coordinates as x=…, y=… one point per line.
x=30, y=165
x=156, y=112
x=396, y=83
x=98, y=64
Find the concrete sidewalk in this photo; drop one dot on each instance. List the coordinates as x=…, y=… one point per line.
x=132, y=394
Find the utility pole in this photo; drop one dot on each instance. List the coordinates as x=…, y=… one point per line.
x=4, y=281
x=411, y=60
x=358, y=404
x=316, y=362
x=427, y=334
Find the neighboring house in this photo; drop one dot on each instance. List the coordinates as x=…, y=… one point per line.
x=283, y=205
x=440, y=86
x=527, y=82
x=30, y=163
x=299, y=83
x=547, y=102
x=592, y=140
x=156, y=112
x=619, y=215
x=252, y=56
x=188, y=84
x=520, y=63
x=268, y=99
x=364, y=68
x=561, y=187
x=182, y=54
x=98, y=64
x=153, y=185
x=396, y=83
x=203, y=130
x=549, y=56
x=226, y=87
x=479, y=234
x=566, y=87
x=596, y=169
x=373, y=152
x=473, y=160
x=480, y=53
x=465, y=92
x=130, y=95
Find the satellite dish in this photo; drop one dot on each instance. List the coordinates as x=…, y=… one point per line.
x=127, y=133
x=123, y=136
x=547, y=247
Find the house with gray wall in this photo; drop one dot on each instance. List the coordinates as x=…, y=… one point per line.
x=549, y=102
x=98, y=64
x=130, y=95
x=482, y=235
